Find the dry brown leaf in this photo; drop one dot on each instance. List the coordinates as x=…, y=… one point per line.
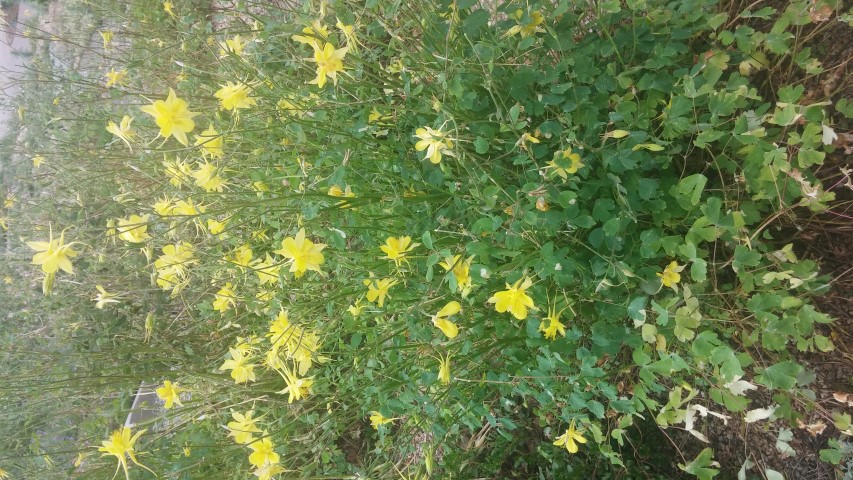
x=841, y=397
x=814, y=429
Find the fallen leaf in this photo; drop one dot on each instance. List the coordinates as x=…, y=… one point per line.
x=753, y=416
x=814, y=429
x=739, y=387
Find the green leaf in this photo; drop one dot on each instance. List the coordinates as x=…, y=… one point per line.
x=809, y=156
x=693, y=186
x=699, y=270
x=426, y=238
x=784, y=116
x=782, y=375
x=716, y=20
x=637, y=310
x=481, y=145
x=744, y=257
x=700, y=466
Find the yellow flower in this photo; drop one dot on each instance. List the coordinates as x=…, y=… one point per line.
x=133, y=229
x=167, y=7
x=4, y=474
x=398, y=248
x=107, y=36
x=356, y=308
x=268, y=471
x=440, y=319
x=565, y=163
x=526, y=137
x=444, y=370
x=296, y=388
x=554, y=324
x=207, y=178
x=670, y=277
x=172, y=266
x=569, y=438
x=169, y=393
x=211, y=143
x=461, y=272
x=178, y=172
x=377, y=290
x=103, y=298
x=225, y=299
x=119, y=445
x=241, y=372
x=349, y=34
x=233, y=45
x=215, y=226
x=299, y=345
x=38, y=160
x=377, y=419
x=234, y=96
x=243, y=427
x=53, y=255
x=115, y=77
x=329, y=62
x=267, y=270
x=434, y=142
x=122, y=130
x=304, y=254
x=514, y=299
x=527, y=29
x=314, y=33
x=263, y=452
x=172, y=116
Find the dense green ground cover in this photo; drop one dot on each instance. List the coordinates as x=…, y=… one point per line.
x=409, y=239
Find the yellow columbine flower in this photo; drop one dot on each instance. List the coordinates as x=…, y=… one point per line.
x=377, y=419
x=107, y=37
x=267, y=270
x=670, y=277
x=297, y=388
x=569, y=438
x=234, y=96
x=215, y=227
x=461, y=272
x=263, y=452
x=377, y=290
x=120, y=445
x=169, y=393
x=554, y=325
x=207, y=178
x=233, y=45
x=178, y=172
x=38, y=160
x=514, y=299
x=434, y=142
x=397, y=248
x=527, y=29
x=53, y=255
x=304, y=254
x=243, y=427
x=211, y=143
x=268, y=471
x=329, y=62
x=103, y=298
x=441, y=321
x=241, y=372
x=115, y=77
x=4, y=474
x=356, y=308
x=225, y=299
x=349, y=34
x=314, y=34
x=122, y=130
x=133, y=229
x=444, y=370
x=526, y=137
x=172, y=116
x=167, y=7
x=565, y=163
